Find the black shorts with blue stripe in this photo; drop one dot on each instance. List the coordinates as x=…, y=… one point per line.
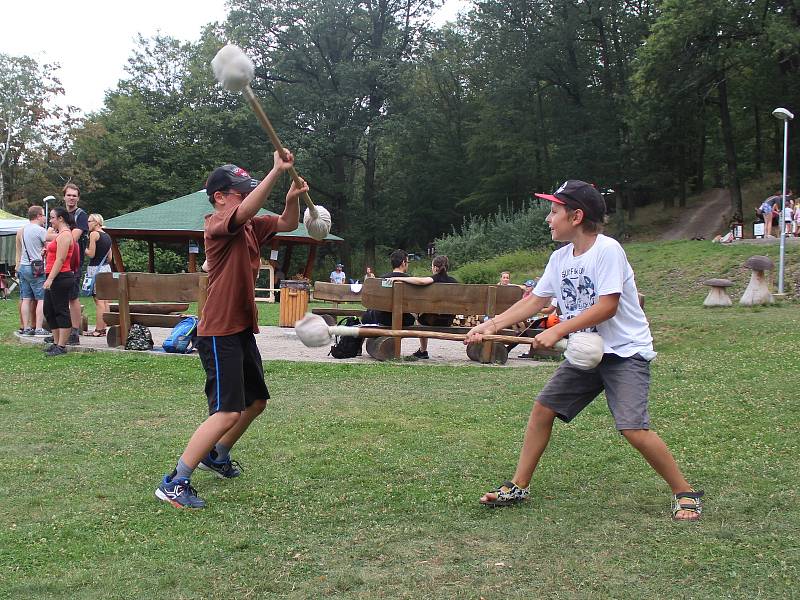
x=234, y=372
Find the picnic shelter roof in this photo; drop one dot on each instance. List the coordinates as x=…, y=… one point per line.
x=184, y=218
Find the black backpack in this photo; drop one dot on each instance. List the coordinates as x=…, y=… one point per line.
x=347, y=346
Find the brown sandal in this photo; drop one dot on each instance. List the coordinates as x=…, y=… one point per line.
x=98, y=333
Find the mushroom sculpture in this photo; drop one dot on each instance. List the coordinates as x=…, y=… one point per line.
x=757, y=291
x=718, y=295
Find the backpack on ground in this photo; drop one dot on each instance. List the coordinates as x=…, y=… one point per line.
x=181, y=339
x=139, y=338
x=346, y=346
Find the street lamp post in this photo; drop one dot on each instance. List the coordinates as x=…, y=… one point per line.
x=785, y=116
x=47, y=210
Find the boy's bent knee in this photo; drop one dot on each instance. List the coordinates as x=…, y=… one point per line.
x=226, y=419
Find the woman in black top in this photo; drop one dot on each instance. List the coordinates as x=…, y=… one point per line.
x=439, y=268
x=99, y=251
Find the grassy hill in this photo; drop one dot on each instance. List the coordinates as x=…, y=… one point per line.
x=666, y=272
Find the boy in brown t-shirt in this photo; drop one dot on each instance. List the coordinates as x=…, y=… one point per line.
x=235, y=385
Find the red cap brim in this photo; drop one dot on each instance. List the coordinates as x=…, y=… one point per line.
x=550, y=197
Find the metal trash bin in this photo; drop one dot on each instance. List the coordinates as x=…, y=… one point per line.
x=294, y=301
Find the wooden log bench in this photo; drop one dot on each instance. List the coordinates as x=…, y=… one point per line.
x=148, y=299
x=336, y=294
x=440, y=298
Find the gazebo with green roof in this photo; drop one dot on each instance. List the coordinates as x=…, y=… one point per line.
x=182, y=219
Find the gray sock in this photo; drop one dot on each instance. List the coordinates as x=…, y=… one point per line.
x=223, y=452
x=182, y=470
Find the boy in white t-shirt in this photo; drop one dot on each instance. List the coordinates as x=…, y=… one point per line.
x=596, y=291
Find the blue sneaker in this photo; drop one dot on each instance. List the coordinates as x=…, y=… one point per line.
x=179, y=493
x=226, y=469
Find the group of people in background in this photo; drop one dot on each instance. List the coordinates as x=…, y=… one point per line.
x=339, y=276
x=49, y=263
x=776, y=223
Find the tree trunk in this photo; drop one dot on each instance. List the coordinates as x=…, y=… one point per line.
x=757, y=153
x=700, y=175
x=730, y=150
x=369, y=197
x=682, y=176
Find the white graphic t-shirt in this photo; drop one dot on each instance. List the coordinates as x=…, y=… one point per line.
x=578, y=281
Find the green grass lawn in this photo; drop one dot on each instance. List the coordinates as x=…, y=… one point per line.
x=362, y=481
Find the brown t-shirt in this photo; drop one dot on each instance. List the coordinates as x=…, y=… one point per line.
x=234, y=259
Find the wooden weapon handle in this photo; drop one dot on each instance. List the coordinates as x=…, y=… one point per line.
x=438, y=335
x=270, y=131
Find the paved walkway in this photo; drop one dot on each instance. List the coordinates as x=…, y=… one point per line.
x=281, y=343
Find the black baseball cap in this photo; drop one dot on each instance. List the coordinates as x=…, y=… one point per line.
x=230, y=177
x=574, y=193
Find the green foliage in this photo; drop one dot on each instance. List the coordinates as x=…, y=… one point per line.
x=504, y=231
x=522, y=265
x=134, y=253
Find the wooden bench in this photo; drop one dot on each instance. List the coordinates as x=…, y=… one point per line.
x=167, y=297
x=439, y=298
x=336, y=293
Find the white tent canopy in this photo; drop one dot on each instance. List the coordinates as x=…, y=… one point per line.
x=10, y=226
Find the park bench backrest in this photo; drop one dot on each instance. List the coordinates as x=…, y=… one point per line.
x=440, y=298
x=150, y=287
x=334, y=292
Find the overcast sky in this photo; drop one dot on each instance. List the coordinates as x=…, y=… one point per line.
x=92, y=39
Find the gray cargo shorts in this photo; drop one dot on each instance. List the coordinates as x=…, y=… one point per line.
x=626, y=382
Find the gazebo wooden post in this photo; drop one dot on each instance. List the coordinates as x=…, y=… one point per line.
x=151, y=257
x=312, y=255
x=117, y=256
x=192, y=262
x=287, y=257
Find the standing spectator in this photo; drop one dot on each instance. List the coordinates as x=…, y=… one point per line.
x=369, y=274
x=505, y=278
x=766, y=210
x=788, y=216
x=338, y=275
x=59, y=283
x=80, y=233
x=439, y=267
x=797, y=218
x=30, y=244
x=99, y=252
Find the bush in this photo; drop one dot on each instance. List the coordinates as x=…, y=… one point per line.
x=482, y=238
x=522, y=265
x=134, y=255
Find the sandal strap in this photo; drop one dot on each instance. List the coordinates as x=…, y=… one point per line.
x=693, y=495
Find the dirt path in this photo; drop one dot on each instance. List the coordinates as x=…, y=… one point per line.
x=281, y=343
x=704, y=219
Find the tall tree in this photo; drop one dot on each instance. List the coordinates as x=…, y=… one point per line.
x=331, y=70
x=32, y=124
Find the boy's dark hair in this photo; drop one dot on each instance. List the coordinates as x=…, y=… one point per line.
x=442, y=263
x=398, y=257
x=64, y=214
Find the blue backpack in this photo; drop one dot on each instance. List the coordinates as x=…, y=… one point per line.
x=181, y=339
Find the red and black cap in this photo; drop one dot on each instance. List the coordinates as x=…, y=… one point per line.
x=574, y=193
x=230, y=177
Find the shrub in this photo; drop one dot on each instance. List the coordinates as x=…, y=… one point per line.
x=522, y=264
x=481, y=238
x=134, y=255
